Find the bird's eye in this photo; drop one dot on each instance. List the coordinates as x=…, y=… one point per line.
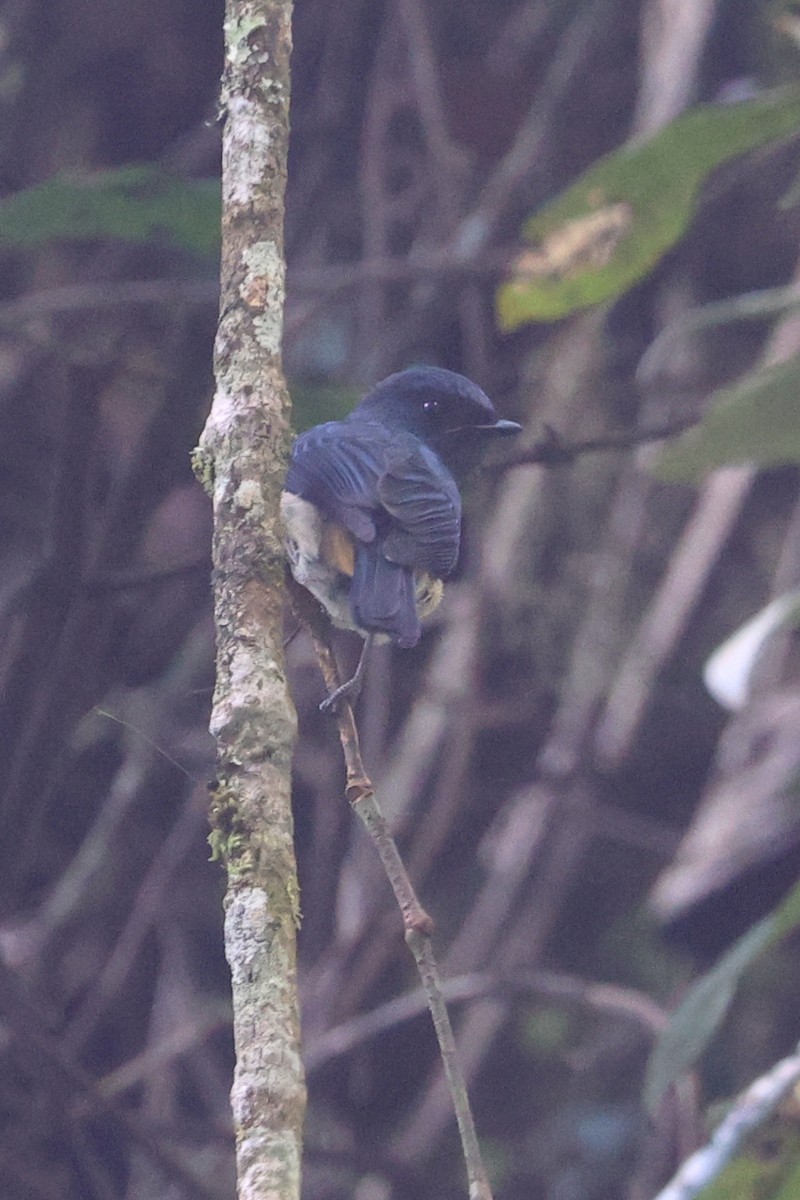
x=430, y=406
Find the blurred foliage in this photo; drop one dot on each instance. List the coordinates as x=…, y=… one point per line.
x=608, y=230
x=131, y=203
x=313, y=403
x=768, y=1167
x=754, y=420
x=700, y=1014
x=749, y=306
x=547, y=1031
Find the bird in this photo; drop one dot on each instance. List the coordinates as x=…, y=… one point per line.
x=371, y=506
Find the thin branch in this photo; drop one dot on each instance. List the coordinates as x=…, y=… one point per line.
x=174, y=1045
x=602, y=997
x=358, y=787
x=148, y=903
x=341, y=277
x=697, y=554
x=674, y=33
x=750, y=1111
x=451, y=159
x=515, y=167
x=188, y=293
x=418, y=925
x=419, y=943
x=36, y=1041
x=748, y=306
x=551, y=451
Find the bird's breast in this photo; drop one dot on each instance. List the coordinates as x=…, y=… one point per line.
x=309, y=538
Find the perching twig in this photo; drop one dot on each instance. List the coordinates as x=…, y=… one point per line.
x=418, y=924
x=419, y=943
x=551, y=451
x=361, y=796
x=750, y=1111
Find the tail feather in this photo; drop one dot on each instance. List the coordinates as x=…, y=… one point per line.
x=382, y=596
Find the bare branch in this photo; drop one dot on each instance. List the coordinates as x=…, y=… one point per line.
x=551, y=451
x=603, y=997
x=749, y=1112
x=418, y=925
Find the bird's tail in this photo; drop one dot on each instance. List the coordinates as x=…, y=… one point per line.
x=382, y=596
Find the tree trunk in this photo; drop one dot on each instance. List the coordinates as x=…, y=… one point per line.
x=241, y=461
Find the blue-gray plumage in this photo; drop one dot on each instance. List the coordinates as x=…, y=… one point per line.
x=372, y=506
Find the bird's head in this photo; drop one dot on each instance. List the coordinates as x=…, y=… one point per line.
x=447, y=411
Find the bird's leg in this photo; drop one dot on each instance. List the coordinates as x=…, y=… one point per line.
x=350, y=690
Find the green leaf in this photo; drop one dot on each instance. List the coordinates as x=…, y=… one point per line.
x=700, y=1014
x=610, y=228
x=755, y=420
x=767, y=1169
x=134, y=203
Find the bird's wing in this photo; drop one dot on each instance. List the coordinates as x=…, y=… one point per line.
x=423, y=501
x=337, y=468
x=380, y=482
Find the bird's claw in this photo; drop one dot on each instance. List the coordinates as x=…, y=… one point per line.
x=347, y=691
x=352, y=689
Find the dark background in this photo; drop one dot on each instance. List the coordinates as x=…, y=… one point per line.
x=534, y=814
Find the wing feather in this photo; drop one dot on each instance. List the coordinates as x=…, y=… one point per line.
x=381, y=483
x=423, y=501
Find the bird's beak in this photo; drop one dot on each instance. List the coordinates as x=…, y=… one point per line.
x=499, y=426
x=502, y=427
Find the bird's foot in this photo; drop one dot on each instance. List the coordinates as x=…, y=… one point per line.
x=351, y=690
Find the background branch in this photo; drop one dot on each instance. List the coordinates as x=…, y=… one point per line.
x=749, y=1112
